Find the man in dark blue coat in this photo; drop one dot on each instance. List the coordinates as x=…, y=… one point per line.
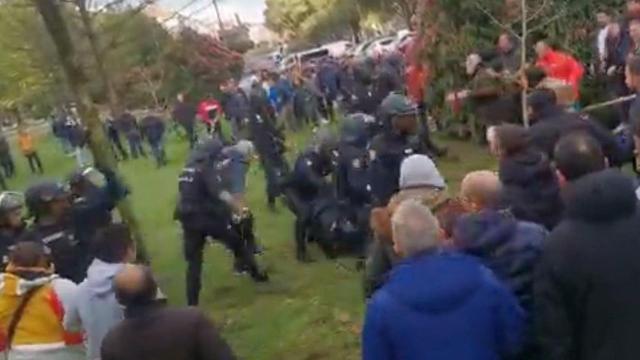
x=153, y=129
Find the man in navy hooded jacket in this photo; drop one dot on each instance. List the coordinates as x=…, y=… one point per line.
x=437, y=304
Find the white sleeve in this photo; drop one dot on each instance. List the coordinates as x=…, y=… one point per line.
x=67, y=293
x=602, y=42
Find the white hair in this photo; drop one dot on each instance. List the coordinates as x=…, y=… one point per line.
x=415, y=228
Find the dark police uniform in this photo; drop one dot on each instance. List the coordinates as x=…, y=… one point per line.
x=67, y=254
x=305, y=184
x=153, y=129
x=389, y=148
x=203, y=213
x=9, y=235
x=269, y=142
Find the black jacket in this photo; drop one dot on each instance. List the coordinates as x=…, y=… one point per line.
x=161, y=333
x=530, y=188
x=553, y=123
x=586, y=291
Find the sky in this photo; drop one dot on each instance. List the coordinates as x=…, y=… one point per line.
x=248, y=10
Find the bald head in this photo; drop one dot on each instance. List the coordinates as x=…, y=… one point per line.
x=481, y=189
x=135, y=286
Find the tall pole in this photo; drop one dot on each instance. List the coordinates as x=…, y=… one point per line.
x=215, y=6
x=77, y=80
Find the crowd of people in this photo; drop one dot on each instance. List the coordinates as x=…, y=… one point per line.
x=533, y=261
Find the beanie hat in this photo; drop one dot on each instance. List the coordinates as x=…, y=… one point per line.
x=419, y=170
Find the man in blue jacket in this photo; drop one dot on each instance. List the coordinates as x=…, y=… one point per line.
x=438, y=304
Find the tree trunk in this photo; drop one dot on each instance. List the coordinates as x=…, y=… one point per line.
x=112, y=96
x=523, y=63
x=78, y=82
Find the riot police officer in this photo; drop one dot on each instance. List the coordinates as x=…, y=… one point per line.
x=269, y=142
x=352, y=176
x=206, y=208
x=396, y=141
x=49, y=204
x=307, y=182
x=12, y=224
x=93, y=194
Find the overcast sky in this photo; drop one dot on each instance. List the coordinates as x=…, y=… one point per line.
x=249, y=10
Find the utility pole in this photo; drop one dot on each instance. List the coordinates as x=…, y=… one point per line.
x=77, y=80
x=215, y=6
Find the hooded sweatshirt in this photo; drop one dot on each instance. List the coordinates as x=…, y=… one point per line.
x=39, y=334
x=95, y=308
x=442, y=306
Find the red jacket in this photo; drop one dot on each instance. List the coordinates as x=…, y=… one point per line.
x=417, y=73
x=206, y=107
x=559, y=65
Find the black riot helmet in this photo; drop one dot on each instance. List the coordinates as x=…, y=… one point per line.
x=399, y=114
x=206, y=151
x=325, y=142
x=10, y=202
x=40, y=197
x=354, y=130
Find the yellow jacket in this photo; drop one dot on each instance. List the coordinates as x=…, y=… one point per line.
x=40, y=331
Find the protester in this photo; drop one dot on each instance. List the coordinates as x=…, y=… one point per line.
x=551, y=122
x=530, y=187
x=420, y=180
x=210, y=113
x=128, y=125
x=153, y=129
x=586, y=304
x=577, y=155
x=632, y=76
x=153, y=331
x=560, y=65
x=27, y=145
x=6, y=160
x=113, y=134
x=95, y=308
x=32, y=302
x=509, y=247
x=435, y=296
x=184, y=113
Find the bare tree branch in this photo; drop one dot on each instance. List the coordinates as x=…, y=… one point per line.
x=496, y=21
x=538, y=12
x=560, y=14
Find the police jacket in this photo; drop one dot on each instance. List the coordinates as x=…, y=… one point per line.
x=200, y=186
x=91, y=211
x=308, y=174
x=387, y=151
x=8, y=238
x=67, y=256
x=352, y=175
x=236, y=105
x=268, y=140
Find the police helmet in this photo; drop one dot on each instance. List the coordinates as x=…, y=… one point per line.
x=354, y=129
x=324, y=141
x=10, y=201
x=39, y=196
x=399, y=112
x=207, y=150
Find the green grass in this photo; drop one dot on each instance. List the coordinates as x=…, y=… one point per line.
x=307, y=311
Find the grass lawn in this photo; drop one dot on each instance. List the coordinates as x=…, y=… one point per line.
x=307, y=311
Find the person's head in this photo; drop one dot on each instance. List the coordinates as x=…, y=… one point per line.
x=29, y=257
x=180, y=97
x=420, y=171
x=507, y=140
x=415, y=229
x=135, y=286
x=603, y=19
x=480, y=190
x=472, y=64
x=634, y=30
x=542, y=48
x=401, y=114
x=11, y=206
x=632, y=72
x=114, y=244
x=48, y=200
x=539, y=101
x=505, y=44
x=633, y=8
x=613, y=30
x=577, y=155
